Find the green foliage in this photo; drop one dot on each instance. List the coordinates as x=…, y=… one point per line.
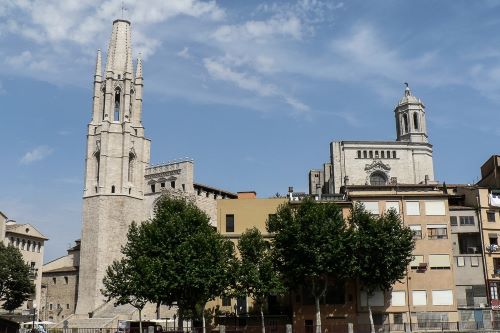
x=180, y=256
x=15, y=283
x=311, y=244
x=256, y=275
x=384, y=248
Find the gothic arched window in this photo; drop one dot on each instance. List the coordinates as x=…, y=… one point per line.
x=131, y=158
x=415, y=121
x=378, y=178
x=117, y=105
x=97, y=165
x=405, y=123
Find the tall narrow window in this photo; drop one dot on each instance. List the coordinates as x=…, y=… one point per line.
x=117, y=106
x=229, y=223
x=405, y=123
x=131, y=158
x=113, y=189
x=415, y=121
x=97, y=165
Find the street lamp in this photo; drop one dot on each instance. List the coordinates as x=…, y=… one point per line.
x=34, y=315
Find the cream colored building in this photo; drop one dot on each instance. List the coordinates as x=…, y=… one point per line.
x=31, y=244
x=408, y=160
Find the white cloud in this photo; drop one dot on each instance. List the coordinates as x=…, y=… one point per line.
x=184, y=53
x=37, y=154
x=252, y=83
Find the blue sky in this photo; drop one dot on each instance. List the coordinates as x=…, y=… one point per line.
x=254, y=91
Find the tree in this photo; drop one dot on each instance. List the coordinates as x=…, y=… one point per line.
x=256, y=276
x=312, y=245
x=15, y=283
x=384, y=247
x=123, y=283
x=183, y=260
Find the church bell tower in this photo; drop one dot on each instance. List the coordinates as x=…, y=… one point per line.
x=116, y=158
x=410, y=119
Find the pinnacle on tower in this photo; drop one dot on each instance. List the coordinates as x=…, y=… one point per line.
x=98, y=67
x=138, y=73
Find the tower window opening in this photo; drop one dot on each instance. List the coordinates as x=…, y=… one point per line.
x=393, y=154
x=359, y=153
x=172, y=184
x=405, y=123
x=117, y=106
x=364, y=154
x=131, y=159
x=162, y=185
x=388, y=154
x=97, y=167
x=382, y=154
x=184, y=187
x=113, y=189
x=415, y=121
x=376, y=154
x=129, y=190
x=153, y=190
x=119, y=76
x=371, y=153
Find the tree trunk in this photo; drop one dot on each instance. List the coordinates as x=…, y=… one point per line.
x=262, y=318
x=179, y=324
x=158, y=310
x=372, y=325
x=203, y=319
x=318, y=314
x=140, y=320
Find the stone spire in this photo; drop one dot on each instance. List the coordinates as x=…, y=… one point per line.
x=138, y=73
x=98, y=67
x=119, y=60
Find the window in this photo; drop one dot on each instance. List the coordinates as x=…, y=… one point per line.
x=392, y=205
x=397, y=318
x=378, y=178
x=405, y=123
x=113, y=189
x=493, y=239
x=382, y=154
x=419, y=297
x=466, y=220
x=435, y=208
x=388, y=154
x=474, y=261
x=54, y=280
x=335, y=294
x=226, y=301
x=67, y=306
x=442, y=297
x=453, y=220
x=376, y=154
x=412, y=208
x=393, y=154
x=117, y=106
x=359, y=153
x=439, y=261
x=371, y=206
x=398, y=298
x=494, y=290
x=28, y=248
x=162, y=185
x=460, y=261
x=153, y=190
x=490, y=216
x=172, y=184
x=50, y=306
x=229, y=223
x=23, y=244
x=416, y=260
x=184, y=187
x=65, y=280
x=496, y=265
x=417, y=231
x=370, y=153
x=437, y=231
x=377, y=299
x=415, y=121
x=131, y=158
x=364, y=154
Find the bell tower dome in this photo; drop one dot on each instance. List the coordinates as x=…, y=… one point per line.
x=410, y=119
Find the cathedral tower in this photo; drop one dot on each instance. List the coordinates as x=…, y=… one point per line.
x=116, y=158
x=410, y=119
